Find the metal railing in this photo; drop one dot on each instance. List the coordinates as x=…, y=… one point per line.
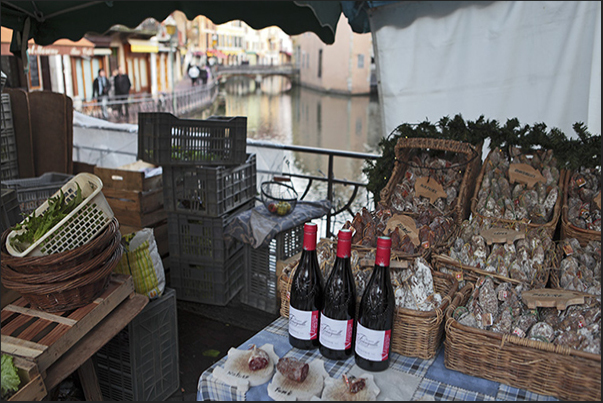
x=187, y=100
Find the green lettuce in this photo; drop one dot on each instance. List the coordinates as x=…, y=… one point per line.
x=10, y=377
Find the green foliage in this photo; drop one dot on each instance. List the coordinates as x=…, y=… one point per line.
x=10, y=377
x=572, y=153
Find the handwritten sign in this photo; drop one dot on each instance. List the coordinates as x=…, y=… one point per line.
x=597, y=200
x=501, y=235
x=524, y=173
x=406, y=225
x=429, y=188
x=394, y=264
x=552, y=298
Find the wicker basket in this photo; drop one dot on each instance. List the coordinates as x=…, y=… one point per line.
x=403, y=150
x=555, y=272
x=550, y=226
x=539, y=367
x=415, y=333
x=569, y=230
x=67, y=289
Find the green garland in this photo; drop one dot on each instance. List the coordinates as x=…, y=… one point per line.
x=584, y=151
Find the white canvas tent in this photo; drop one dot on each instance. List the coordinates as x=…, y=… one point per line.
x=537, y=61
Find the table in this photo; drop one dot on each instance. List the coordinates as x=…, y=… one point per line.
x=406, y=379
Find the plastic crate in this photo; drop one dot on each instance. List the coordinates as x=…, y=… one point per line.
x=88, y=219
x=210, y=283
x=8, y=153
x=32, y=192
x=209, y=191
x=202, y=238
x=260, y=289
x=10, y=214
x=164, y=139
x=141, y=362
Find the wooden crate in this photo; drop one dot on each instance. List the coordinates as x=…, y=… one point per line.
x=129, y=177
x=42, y=337
x=32, y=386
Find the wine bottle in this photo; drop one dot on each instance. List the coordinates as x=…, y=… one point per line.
x=306, y=298
x=376, y=314
x=339, y=313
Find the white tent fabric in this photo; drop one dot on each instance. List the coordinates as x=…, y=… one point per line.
x=537, y=61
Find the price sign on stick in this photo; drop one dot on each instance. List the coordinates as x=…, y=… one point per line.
x=406, y=226
x=501, y=235
x=524, y=173
x=552, y=298
x=429, y=188
x=597, y=200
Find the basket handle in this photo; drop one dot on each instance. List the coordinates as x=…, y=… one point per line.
x=281, y=178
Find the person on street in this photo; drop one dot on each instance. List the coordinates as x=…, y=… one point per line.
x=204, y=75
x=193, y=72
x=122, y=91
x=100, y=91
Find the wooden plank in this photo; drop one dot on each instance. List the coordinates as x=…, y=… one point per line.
x=33, y=388
x=133, y=219
x=54, y=335
x=39, y=314
x=89, y=381
x=15, y=324
x=128, y=177
x=140, y=202
x=34, y=329
x=96, y=338
x=22, y=348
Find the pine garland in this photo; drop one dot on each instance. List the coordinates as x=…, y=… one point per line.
x=584, y=151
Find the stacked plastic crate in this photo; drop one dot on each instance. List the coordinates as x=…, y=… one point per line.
x=10, y=163
x=208, y=178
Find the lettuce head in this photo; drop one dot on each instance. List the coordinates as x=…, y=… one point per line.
x=10, y=377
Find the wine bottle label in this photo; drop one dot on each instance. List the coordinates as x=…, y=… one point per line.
x=372, y=345
x=336, y=334
x=303, y=325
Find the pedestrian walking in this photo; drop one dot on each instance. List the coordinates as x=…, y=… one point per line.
x=122, y=91
x=204, y=75
x=100, y=91
x=193, y=72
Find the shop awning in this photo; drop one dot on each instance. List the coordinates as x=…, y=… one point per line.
x=83, y=47
x=143, y=46
x=216, y=53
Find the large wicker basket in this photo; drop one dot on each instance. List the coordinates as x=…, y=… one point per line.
x=539, y=367
x=415, y=333
x=471, y=169
x=60, y=289
x=550, y=226
x=569, y=230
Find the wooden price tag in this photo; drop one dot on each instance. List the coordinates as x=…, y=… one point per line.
x=501, y=235
x=597, y=200
x=406, y=225
x=552, y=298
x=394, y=264
x=524, y=173
x=429, y=188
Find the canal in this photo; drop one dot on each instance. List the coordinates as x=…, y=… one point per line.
x=281, y=113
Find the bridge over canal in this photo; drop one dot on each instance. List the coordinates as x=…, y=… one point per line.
x=258, y=72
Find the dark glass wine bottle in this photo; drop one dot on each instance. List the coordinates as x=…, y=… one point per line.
x=338, y=316
x=376, y=314
x=306, y=298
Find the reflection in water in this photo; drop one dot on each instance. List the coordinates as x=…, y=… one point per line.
x=279, y=112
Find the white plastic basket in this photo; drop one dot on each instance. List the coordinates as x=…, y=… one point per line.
x=80, y=226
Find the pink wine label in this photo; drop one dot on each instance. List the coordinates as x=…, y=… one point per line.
x=303, y=325
x=336, y=334
x=372, y=344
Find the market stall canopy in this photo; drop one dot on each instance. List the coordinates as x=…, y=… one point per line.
x=47, y=21
x=83, y=47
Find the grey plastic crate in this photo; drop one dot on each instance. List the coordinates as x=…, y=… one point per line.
x=209, y=191
x=141, y=362
x=164, y=139
x=198, y=238
x=212, y=283
x=10, y=213
x=8, y=154
x=32, y=192
x=259, y=290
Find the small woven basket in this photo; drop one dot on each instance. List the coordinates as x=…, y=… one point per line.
x=470, y=168
x=569, y=230
x=539, y=367
x=415, y=333
x=550, y=226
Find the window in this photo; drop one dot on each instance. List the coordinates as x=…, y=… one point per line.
x=320, y=63
x=360, y=61
x=35, y=75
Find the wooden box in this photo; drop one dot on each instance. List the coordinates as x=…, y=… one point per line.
x=32, y=386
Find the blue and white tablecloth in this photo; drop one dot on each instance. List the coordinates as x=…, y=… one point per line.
x=406, y=379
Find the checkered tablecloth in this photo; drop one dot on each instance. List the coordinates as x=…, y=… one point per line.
x=406, y=378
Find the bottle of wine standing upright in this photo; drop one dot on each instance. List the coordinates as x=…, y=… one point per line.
x=376, y=314
x=338, y=316
x=306, y=298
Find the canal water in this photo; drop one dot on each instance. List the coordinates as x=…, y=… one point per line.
x=281, y=113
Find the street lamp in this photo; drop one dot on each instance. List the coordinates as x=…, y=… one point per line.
x=170, y=27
